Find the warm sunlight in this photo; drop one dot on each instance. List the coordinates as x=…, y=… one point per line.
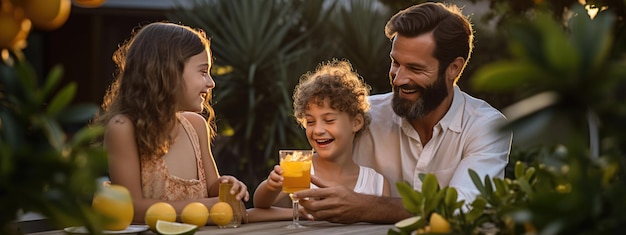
x=592, y=9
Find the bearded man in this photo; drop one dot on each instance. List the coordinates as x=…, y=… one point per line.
x=426, y=125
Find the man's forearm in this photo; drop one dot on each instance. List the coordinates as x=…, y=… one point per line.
x=384, y=210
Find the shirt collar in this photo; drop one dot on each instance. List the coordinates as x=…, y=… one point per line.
x=454, y=117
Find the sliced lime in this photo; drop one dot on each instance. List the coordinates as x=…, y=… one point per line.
x=174, y=228
x=410, y=224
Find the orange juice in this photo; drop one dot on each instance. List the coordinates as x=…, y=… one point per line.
x=297, y=175
x=225, y=196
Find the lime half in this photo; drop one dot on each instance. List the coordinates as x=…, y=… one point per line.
x=173, y=228
x=410, y=224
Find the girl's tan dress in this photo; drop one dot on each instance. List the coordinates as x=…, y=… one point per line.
x=157, y=183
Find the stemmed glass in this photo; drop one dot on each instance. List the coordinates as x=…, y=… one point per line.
x=296, y=165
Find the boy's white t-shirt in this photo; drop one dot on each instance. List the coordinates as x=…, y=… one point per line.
x=368, y=182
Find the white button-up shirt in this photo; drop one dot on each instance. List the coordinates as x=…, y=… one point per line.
x=467, y=137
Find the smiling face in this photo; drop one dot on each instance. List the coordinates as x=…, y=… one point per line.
x=417, y=85
x=198, y=82
x=329, y=131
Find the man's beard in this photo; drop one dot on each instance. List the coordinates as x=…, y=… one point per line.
x=430, y=98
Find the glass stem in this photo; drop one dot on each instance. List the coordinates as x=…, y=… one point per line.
x=296, y=214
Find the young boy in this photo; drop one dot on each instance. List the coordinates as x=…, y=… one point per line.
x=331, y=104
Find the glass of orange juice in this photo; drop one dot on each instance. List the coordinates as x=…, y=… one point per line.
x=296, y=165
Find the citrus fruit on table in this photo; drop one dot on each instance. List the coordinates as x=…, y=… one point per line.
x=173, y=228
x=195, y=213
x=438, y=224
x=116, y=204
x=221, y=213
x=159, y=211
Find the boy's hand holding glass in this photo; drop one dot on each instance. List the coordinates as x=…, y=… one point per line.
x=275, y=179
x=296, y=167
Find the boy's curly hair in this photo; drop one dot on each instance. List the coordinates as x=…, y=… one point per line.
x=336, y=81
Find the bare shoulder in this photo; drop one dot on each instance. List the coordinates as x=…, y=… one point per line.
x=194, y=118
x=119, y=125
x=197, y=121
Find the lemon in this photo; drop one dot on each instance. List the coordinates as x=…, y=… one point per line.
x=438, y=224
x=159, y=211
x=114, y=202
x=47, y=14
x=195, y=213
x=221, y=213
x=14, y=29
x=173, y=228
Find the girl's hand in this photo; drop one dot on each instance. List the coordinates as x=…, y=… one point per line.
x=275, y=179
x=239, y=189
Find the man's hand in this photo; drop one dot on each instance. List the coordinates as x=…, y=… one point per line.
x=336, y=204
x=339, y=204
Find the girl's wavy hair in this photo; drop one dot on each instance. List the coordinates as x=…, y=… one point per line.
x=149, y=83
x=336, y=82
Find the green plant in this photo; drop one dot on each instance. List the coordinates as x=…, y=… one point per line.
x=42, y=169
x=361, y=39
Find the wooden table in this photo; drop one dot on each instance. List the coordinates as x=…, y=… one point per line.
x=277, y=228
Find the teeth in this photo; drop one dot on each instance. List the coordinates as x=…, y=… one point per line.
x=324, y=141
x=408, y=91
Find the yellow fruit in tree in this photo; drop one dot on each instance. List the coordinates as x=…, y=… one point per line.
x=195, y=213
x=159, y=211
x=221, y=213
x=14, y=29
x=115, y=203
x=438, y=224
x=89, y=3
x=47, y=14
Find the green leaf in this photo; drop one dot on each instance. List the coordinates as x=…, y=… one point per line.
x=530, y=172
x=430, y=186
x=53, y=131
x=558, y=50
x=86, y=135
x=519, y=169
x=434, y=202
x=592, y=37
x=489, y=189
x=53, y=79
x=476, y=179
x=78, y=113
x=524, y=186
x=411, y=199
x=61, y=99
x=476, y=210
x=505, y=76
x=10, y=128
x=28, y=82
x=451, y=197
x=502, y=189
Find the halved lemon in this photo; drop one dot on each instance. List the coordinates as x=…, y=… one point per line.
x=174, y=228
